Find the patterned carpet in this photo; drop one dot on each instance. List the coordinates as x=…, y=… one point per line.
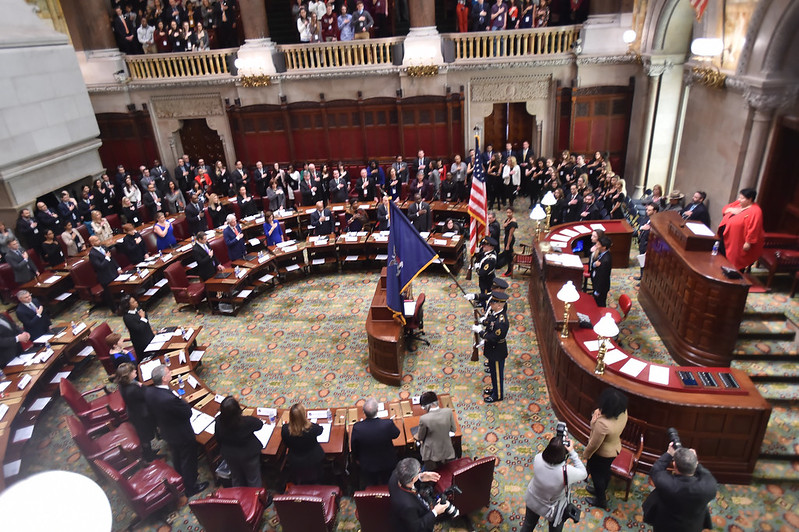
x=305, y=341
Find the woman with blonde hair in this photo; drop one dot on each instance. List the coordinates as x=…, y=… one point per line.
x=100, y=226
x=305, y=455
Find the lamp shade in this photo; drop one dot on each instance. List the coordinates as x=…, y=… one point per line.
x=568, y=293
x=606, y=326
x=628, y=36
x=549, y=199
x=537, y=213
x=707, y=47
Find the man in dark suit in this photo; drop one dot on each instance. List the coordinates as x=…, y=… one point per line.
x=696, y=211
x=600, y=272
x=383, y=211
x=195, y=215
x=321, y=220
x=373, y=445
x=133, y=245
x=68, y=209
x=24, y=269
x=183, y=174
x=401, y=167
x=11, y=339
x=152, y=200
x=589, y=209
x=309, y=188
x=680, y=499
x=260, y=178
x=339, y=188
x=234, y=238
x=47, y=219
x=240, y=176
x=173, y=417
x=160, y=171
x=488, y=154
x=32, y=315
x=138, y=324
x=408, y=510
x=493, y=226
x=365, y=187
x=419, y=214
x=643, y=233
x=207, y=264
x=27, y=230
x=421, y=163
x=125, y=32
x=105, y=267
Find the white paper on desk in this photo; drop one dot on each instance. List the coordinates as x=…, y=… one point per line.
x=266, y=278
x=613, y=356
x=63, y=297
x=161, y=283
x=659, y=374
x=200, y=420
x=349, y=238
x=263, y=258
x=559, y=238
x=24, y=381
x=425, y=234
x=569, y=232
x=187, y=333
x=245, y=293
x=122, y=277
x=39, y=404
x=315, y=415
x=211, y=428
x=21, y=359
x=162, y=337
x=381, y=239
x=338, y=208
x=182, y=357
x=196, y=356
x=42, y=357
x=254, y=241
x=592, y=345
x=4, y=385
x=415, y=399
x=316, y=262
x=309, y=211
x=581, y=229
x=3, y=410
x=572, y=261
x=382, y=413
x=456, y=238
x=633, y=367
x=219, y=398
x=292, y=267
x=86, y=351
x=184, y=248
x=351, y=258
x=285, y=243
x=176, y=332
x=381, y=257
x=264, y=433
x=699, y=229
x=151, y=292
x=192, y=381
x=439, y=242
x=266, y=412
x=147, y=369
x=52, y=279
x=12, y=468
x=23, y=434
x=290, y=249
x=260, y=220
x=43, y=339
x=598, y=227
x=79, y=328
x=167, y=257
x=325, y=436
x=210, y=233
x=448, y=234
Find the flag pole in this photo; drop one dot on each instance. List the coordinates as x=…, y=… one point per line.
x=477, y=315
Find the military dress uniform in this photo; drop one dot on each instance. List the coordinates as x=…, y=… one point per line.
x=486, y=267
x=496, y=348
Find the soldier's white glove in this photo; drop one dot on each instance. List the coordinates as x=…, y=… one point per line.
x=468, y=297
x=477, y=328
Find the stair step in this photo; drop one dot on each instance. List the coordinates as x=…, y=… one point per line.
x=764, y=316
x=756, y=350
x=768, y=370
x=779, y=393
x=779, y=442
x=776, y=471
x=778, y=336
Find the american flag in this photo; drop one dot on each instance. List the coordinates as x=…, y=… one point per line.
x=699, y=6
x=477, y=202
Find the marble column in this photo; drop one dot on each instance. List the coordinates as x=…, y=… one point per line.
x=89, y=24
x=255, y=55
x=602, y=7
x=423, y=43
x=423, y=13
x=253, y=15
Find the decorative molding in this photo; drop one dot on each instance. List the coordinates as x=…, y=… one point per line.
x=657, y=69
x=769, y=99
x=608, y=60
x=188, y=106
x=511, y=88
x=191, y=83
x=484, y=64
x=339, y=73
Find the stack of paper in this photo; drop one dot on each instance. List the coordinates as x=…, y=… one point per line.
x=264, y=434
x=147, y=369
x=325, y=436
x=200, y=420
x=196, y=356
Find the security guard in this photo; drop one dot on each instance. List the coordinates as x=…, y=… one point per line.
x=494, y=332
x=485, y=268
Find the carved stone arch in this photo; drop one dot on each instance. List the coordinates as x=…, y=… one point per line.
x=771, y=41
x=668, y=22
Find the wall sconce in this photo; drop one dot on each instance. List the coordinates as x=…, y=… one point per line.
x=548, y=201
x=537, y=214
x=708, y=74
x=605, y=328
x=131, y=107
x=568, y=294
x=419, y=71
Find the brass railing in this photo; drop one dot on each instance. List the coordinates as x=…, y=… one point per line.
x=180, y=65
x=367, y=52
x=513, y=43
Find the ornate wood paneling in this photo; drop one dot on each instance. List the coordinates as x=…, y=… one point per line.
x=128, y=139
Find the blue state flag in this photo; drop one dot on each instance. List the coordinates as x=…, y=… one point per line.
x=408, y=256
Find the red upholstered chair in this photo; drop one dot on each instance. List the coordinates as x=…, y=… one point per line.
x=473, y=477
x=414, y=326
x=37, y=260
x=150, y=242
x=298, y=198
x=84, y=232
x=184, y=291
x=308, y=508
x=180, y=228
x=85, y=281
x=148, y=489
x=625, y=304
x=115, y=223
x=8, y=286
x=220, y=250
x=625, y=465
x=97, y=340
x=119, y=447
x=108, y=408
x=231, y=510
x=371, y=508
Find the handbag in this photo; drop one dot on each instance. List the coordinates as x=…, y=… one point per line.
x=570, y=511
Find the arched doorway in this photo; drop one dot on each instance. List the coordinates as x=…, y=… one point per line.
x=200, y=141
x=509, y=122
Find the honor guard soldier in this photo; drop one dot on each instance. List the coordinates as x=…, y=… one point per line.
x=488, y=263
x=482, y=299
x=494, y=332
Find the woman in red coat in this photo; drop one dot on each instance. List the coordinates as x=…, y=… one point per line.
x=741, y=229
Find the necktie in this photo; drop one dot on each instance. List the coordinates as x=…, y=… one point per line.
x=32, y=306
x=124, y=22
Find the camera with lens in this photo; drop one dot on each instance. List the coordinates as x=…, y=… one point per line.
x=562, y=432
x=427, y=493
x=674, y=437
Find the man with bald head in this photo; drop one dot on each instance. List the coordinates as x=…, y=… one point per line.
x=105, y=267
x=373, y=445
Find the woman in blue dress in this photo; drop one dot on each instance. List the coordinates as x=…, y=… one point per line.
x=274, y=235
x=164, y=238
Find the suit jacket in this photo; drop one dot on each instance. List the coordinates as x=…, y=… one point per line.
x=600, y=275
x=261, y=179
x=67, y=214
x=682, y=500
x=47, y=220
x=367, y=194
x=9, y=347
x=372, y=444
x=422, y=222
x=247, y=206
x=408, y=512
x=206, y=264
x=338, y=195
x=195, y=216
x=593, y=213
x=72, y=240
x=276, y=201
x=35, y=325
x=434, y=429
x=24, y=269
x=153, y=205
x=106, y=269
x=382, y=218
x=308, y=196
x=361, y=26
x=135, y=252
x=134, y=396
x=698, y=214
x=172, y=415
x=423, y=164
x=141, y=333
x=236, y=248
x=322, y=228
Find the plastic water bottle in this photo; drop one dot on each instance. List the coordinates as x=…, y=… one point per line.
x=715, y=248
x=72, y=326
x=181, y=389
x=166, y=359
x=329, y=416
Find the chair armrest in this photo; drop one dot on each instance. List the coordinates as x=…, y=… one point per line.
x=107, y=426
x=95, y=410
x=193, y=278
x=127, y=469
x=103, y=388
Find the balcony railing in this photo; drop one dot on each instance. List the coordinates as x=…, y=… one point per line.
x=369, y=52
x=513, y=43
x=180, y=65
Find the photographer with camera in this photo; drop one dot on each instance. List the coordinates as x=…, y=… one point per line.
x=680, y=499
x=547, y=493
x=409, y=511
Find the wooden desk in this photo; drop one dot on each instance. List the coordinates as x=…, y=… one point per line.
x=289, y=258
x=449, y=249
x=695, y=309
x=175, y=343
x=321, y=250
x=726, y=429
x=385, y=337
x=226, y=290
x=619, y=231
x=52, y=288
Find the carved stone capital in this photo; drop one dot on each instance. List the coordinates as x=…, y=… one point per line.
x=510, y=89
x=657, y=68
x=188, y=106
x=770, y=99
